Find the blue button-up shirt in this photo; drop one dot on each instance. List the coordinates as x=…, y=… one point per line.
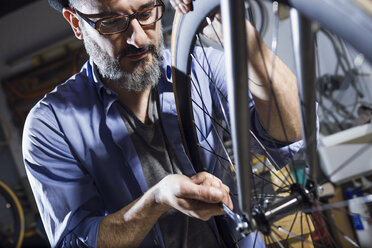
x=82, y=164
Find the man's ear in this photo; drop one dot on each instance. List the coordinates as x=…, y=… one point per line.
x=70, y=15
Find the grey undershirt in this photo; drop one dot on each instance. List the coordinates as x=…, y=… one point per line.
x=158, y=161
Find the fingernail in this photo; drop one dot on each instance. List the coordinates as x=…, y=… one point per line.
x=183, y=8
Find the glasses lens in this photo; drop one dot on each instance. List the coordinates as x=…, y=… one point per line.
x=120, y=23
x=113, y=25
x=149, y=16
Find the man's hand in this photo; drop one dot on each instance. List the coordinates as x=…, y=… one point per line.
x=182, y=6
x=199, y=196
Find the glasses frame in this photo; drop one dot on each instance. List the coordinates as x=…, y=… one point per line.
x=97, y=24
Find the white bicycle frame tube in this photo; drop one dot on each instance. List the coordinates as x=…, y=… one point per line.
x=234, y=30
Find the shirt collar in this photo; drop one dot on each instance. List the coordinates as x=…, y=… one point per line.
x=102, y=90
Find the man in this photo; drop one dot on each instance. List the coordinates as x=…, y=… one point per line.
x=103, y=151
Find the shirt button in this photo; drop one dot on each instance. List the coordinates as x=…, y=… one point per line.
x=169, y=73
x=108, y=92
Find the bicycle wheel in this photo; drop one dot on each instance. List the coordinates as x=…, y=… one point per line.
x=12, y=219
x=304, y=224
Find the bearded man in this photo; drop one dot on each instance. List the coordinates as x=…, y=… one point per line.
x=103, y=151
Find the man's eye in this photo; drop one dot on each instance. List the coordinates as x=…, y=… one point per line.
x=113, y=22
x=145, y=15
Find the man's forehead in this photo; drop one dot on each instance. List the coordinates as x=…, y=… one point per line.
x=125, y=6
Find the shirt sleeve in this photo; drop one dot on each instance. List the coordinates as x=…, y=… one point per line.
x=279, y=153
x=67, y=199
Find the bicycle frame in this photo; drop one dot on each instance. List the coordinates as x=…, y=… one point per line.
x=237, y=78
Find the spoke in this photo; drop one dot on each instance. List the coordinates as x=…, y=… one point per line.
x=212, y=150
x=340, y=231
x=267, y=153
x=271, y=170
x=214, y=30
x=272, y=233
x=274, y=42
x=256, y=195
x=324, y=227
x=212, y=118
x=337, y=205
x=271, y=240
x=263, y=179
x=213, y=125
x=302, y=231
x=206, y=73
x=351, y=241
x=351, y=214
x=290, y=229
x=270, y=196
x=293, y=235
x=262, y=188
x=213, y=82
x=316, y=229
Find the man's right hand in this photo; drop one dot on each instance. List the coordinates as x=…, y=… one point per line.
x=199, y=196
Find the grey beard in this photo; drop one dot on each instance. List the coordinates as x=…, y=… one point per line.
x=139, y=79
x=111, y=70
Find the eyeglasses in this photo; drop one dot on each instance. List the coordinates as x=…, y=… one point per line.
x=120, y=23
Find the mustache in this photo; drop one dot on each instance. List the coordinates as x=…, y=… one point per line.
x=134, y=50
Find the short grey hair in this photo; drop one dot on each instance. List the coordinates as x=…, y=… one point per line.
x=76, y=3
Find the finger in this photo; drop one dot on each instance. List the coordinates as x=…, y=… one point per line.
x=226, y=188
x=207, y=179
x=198, y=209
x=228, y=202
x=207, y=213
x=201, y=177
x=201, y=192
x=198, y=178
x=205, y=193
x=182, y=6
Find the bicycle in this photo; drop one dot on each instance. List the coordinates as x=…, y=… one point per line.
x=12, y=218
x=299, y=191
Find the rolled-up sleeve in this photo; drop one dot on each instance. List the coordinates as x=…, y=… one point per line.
x=68, y=201
x=279, y=152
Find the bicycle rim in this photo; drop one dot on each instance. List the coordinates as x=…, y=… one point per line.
x=13, y=229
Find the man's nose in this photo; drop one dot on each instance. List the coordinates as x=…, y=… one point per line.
x=137, y=35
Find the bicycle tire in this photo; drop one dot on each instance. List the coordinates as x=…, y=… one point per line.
x=14, y=204
x=183, y=44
